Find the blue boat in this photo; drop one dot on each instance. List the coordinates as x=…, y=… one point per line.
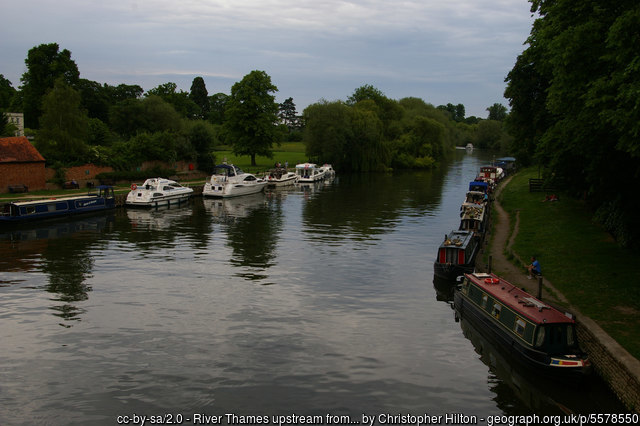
x=101, y=198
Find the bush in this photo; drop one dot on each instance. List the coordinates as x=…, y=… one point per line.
x=134, y=175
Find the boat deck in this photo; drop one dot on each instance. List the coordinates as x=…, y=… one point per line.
x=518, y=299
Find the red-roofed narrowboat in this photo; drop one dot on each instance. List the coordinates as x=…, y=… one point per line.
x=537, y=334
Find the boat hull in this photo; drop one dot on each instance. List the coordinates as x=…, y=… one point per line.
x=537, y=361
x=228, y=190
x=161, y=201
x=53, y=208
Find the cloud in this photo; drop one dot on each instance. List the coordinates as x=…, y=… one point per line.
x=308, y=47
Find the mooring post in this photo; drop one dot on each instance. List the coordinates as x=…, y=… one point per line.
x=540, y=287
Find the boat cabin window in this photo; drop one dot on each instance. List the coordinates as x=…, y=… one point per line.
x=167, y=188
x=485, y=298
x=519, y=327
x=250, y=178
x=495, y=311
x=540, y=337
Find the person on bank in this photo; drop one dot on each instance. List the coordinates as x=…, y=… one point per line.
x=534, y=268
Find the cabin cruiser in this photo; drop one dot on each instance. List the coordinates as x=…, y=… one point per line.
x=281, y=177
x=157, y=192
x=230, y=181
x=329, y=172
x=309, y=172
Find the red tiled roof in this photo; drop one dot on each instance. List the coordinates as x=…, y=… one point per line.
x=18, y=150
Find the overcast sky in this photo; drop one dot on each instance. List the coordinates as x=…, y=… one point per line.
x=443, y=51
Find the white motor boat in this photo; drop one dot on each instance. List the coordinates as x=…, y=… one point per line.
x=230, y=181
x=157, y=192
x=328, y=170
x=281, y=177
x=309, y=172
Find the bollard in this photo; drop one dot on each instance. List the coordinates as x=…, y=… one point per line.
x=540, y=287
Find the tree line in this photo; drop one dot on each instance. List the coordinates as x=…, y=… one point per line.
x=574, y=103
x=75, y=120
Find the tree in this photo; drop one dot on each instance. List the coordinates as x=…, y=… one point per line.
x=64, y=125
x=45, y=64
x=200, y=97
x=151, y=114
x=287, y=113
x=251, y=116
x=180, y=101
x=7, y=92
x=497, y=112
x=218, y=104
x=327, y=132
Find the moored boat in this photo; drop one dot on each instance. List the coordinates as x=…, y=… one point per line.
x=473, y=218
x=538, y=334
x=230, y=181
x=157, y=192
x=456, y=255
x=309, y=172
x=281, y=177
x=27, y=211
x=328, y=170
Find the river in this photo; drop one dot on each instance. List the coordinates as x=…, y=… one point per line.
x=310, y=301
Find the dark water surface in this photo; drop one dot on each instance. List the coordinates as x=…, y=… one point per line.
x=308, y=301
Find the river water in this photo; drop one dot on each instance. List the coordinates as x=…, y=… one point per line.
x=306, y=301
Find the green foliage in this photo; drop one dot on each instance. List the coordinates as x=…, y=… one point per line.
x=251, y=115
x=181, y=101
x=64, y=125
x=7, y=92
x=573, y=94
x=497, y=112
x=151, y=114
x=45, y=64
x=199, y=96
x=134, y=175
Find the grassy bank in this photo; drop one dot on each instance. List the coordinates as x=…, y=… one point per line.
x=578, y=257
x=293, y=152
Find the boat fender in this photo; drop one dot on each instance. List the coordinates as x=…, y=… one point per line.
x=134, y=186
x=491, y=280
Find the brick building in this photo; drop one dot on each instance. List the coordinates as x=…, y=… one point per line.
x=20, y=164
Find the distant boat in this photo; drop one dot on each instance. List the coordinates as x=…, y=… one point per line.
x=50, y=208
x=230, y=181
x=309, y=172
x=541, y=337
x=157, y=192
x=469, y=147
x=281, y=177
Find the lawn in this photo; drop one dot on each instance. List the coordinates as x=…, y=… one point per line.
x=292, y=152
x=579, y=257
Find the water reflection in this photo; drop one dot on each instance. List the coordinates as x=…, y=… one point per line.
x=252, y=230
x=61, y=249
x=514, y=385
x=362, y=207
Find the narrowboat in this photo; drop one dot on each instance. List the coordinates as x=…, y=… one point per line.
x=479, y=186
x=473, y=218
x=490, y=174
x=51, y=208
x=536, y=334
x=456, y=255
